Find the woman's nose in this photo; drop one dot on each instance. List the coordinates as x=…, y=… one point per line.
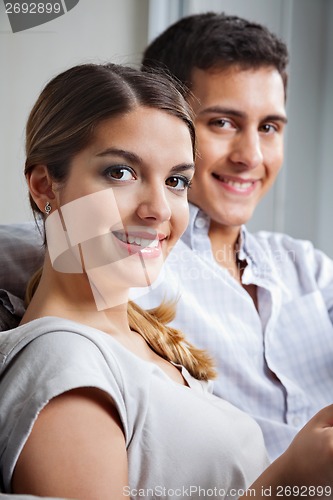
x=154, y=205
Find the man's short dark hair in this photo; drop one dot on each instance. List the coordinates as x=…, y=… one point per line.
x=215, y=40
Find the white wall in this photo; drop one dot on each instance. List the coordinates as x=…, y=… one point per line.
x=324, y=234
x=309, y=160
x=94, y=30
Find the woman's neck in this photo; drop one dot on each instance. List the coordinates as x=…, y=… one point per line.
x=76, y=297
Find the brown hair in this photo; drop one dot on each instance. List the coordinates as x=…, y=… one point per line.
x=215, y=40
x=62, y=123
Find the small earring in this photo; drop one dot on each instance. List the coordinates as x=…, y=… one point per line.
x=48, y=208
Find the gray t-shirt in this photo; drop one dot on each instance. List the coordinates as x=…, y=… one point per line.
x=181, y=441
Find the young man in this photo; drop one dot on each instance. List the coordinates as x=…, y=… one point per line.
x=261, y=304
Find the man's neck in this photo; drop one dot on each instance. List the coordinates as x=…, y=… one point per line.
x=224, y=243
x=225, y=247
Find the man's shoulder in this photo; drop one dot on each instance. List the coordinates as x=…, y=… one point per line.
x=276, y=240
x=289, y=255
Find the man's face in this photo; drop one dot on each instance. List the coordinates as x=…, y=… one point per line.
x=240, y=122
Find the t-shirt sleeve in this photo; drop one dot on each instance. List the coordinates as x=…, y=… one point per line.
x=48, y=366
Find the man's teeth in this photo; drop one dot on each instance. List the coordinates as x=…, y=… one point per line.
x=143, y=242
x=237, y=185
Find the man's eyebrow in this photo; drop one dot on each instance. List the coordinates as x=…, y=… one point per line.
x=127, y=155
x=219, y=110
x=276, y=118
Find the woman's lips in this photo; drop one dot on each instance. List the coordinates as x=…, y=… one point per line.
x=143, y=242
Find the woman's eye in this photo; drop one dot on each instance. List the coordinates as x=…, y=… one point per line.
x=179, y=183
x=119, y=173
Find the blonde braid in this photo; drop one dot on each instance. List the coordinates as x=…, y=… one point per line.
x=32, y=286
x=169, y=343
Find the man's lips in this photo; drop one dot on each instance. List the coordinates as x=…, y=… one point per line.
x=236, y=184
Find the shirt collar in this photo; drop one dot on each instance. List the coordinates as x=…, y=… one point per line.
x=259, y=259
x=198, y=223
x=245, y=245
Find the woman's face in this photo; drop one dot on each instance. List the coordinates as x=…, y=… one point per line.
x=124, y=204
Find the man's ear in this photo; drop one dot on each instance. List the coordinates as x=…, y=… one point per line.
x=40, y=186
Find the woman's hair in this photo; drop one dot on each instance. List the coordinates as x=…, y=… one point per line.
x=62, y=123
x=64, y=117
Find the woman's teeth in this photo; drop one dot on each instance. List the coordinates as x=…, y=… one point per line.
x=136, y=240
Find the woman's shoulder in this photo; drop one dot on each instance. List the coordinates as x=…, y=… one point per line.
x=44, y=359
x=53, y=354
x=70, y=354
x=50, y=334
x=49, y=356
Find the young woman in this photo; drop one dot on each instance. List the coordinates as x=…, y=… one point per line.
x=99, y=399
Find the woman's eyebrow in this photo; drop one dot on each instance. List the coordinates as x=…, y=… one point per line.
x=127, y=155
x=183, y=167
x=133, y=157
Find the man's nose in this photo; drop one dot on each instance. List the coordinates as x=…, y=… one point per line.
x=247, y=149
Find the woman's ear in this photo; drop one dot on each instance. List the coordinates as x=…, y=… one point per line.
x=40, y=186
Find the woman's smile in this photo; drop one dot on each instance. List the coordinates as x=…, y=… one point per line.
x=144, y=240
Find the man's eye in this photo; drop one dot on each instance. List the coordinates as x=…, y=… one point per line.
x=222, y=123
x=179, y=183
x=268, y=128
x=119, y=173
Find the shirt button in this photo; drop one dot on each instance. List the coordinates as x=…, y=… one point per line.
x=200, y=223
x=297, y=421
